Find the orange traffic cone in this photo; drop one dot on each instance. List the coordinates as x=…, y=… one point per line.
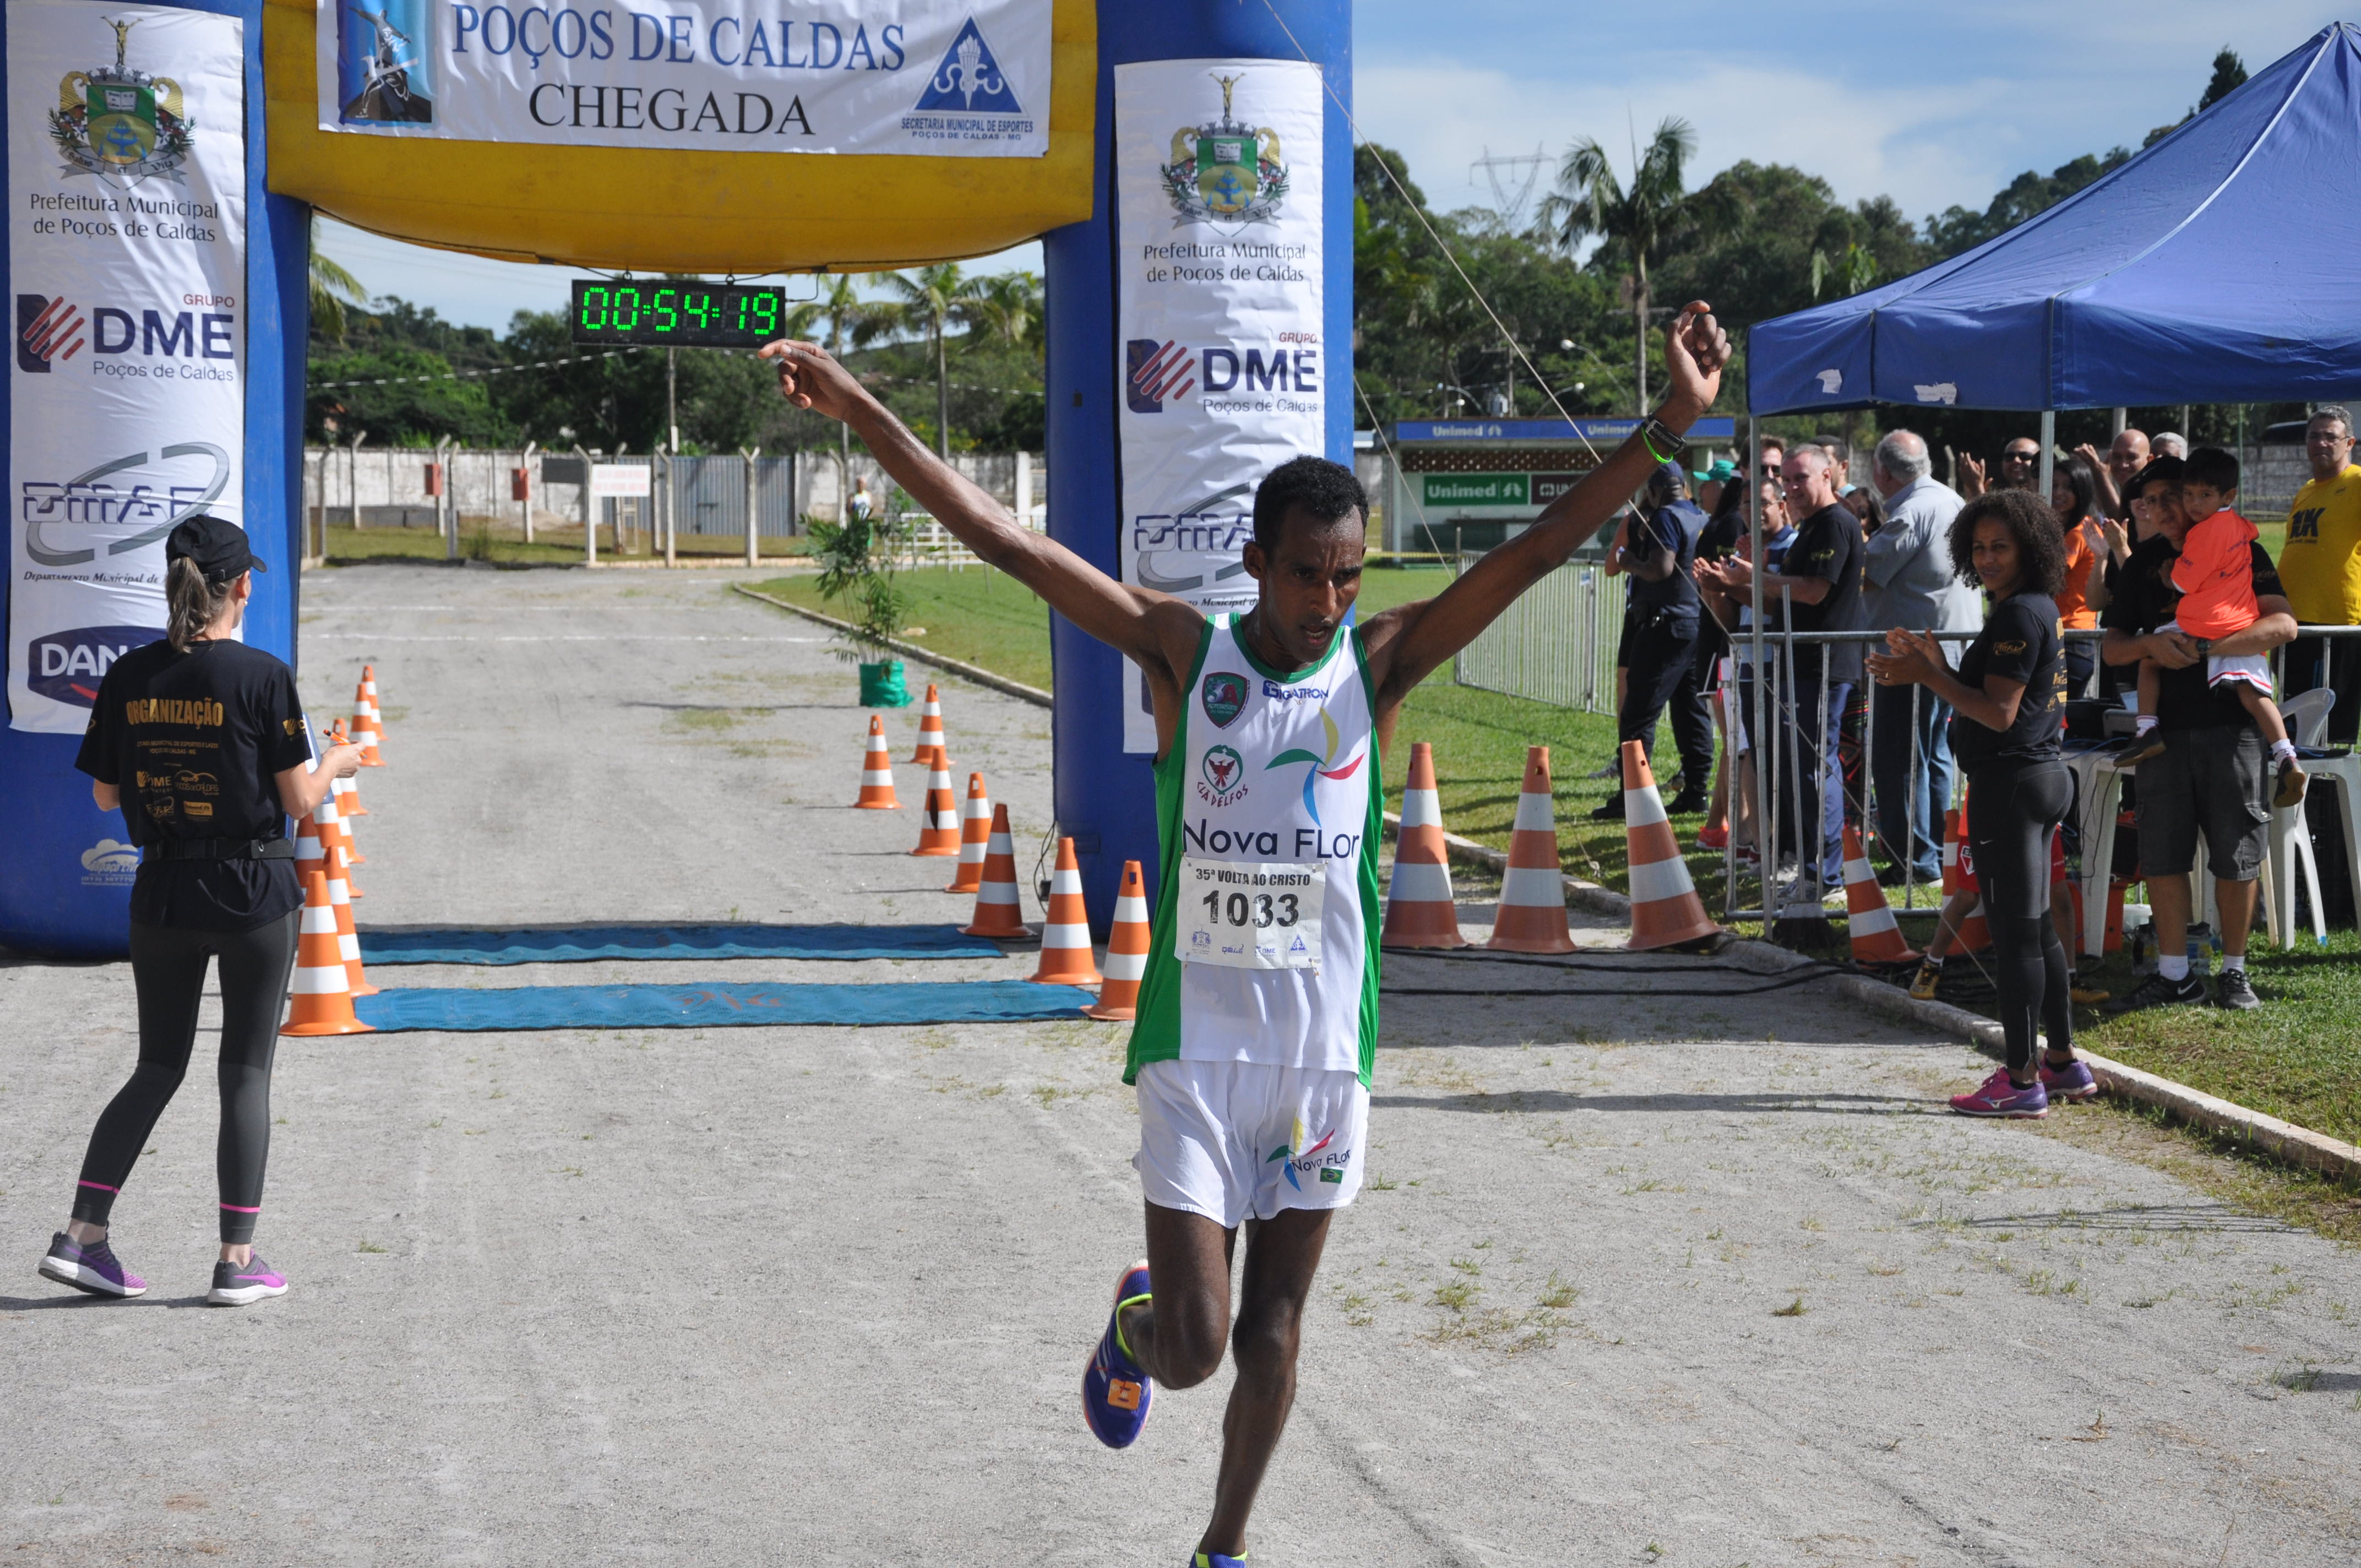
x=1419, y=911
x=939, y=824
x=1953, y=827
x=878, y=772
x=348, y=942
x=322, y=989
x=311, y=853
x=1531, y=915
x=1876, y=939
x=1665, y=909
x=334, y=837
x=997, y=911
x=348, y=791
x=1975, y=934
x=365, y=732
x=1066, y=934
x=348, y=808
x=1126, y=956
x=376, y=704
x=931, y=729
x=975, y=838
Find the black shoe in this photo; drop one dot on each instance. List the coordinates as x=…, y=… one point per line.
x=2157, y=992
x=2236, y=991
x=1612, y=811
x=1688, y=803
x=2292, y=781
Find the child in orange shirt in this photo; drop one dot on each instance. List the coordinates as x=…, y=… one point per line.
x=2215, y=574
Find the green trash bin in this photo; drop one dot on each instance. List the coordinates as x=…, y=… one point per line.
x=881, y=685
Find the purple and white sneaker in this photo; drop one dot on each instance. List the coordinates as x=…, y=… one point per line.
x=90, y=1266
x=236, y=1286
x=1996, y=1096
x=2072, y=1081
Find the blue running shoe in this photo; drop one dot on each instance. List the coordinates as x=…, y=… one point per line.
x=1115, y=1392
x=1216, y=1559
x=91, y=1267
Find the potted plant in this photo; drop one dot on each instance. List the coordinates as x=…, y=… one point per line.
x=857, y=567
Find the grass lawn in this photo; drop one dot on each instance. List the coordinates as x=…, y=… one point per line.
x=552, y=545
x=975, y=613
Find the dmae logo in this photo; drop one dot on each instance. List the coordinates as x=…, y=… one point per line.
x=66, y=667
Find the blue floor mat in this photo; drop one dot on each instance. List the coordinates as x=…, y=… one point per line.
x=718, y=1006
x=575, y=944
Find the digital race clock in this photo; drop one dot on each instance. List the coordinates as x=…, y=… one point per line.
x=688, y=315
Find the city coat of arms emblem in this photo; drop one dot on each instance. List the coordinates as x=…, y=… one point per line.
x=1223, y=173
x=121, y=124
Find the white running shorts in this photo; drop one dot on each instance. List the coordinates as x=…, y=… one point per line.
x=2254, y=669
x=1236, y=1140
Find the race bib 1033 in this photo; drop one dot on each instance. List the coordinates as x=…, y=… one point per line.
x=1250, y=915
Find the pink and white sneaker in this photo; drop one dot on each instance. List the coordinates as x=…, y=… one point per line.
x=1996, y=1096
x=236, y=1286
x=90, y=1266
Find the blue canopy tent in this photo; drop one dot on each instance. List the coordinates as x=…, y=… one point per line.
x=2218, y=265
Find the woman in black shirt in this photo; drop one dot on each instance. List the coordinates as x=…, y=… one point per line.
x=2008, y=702
x=200, y=742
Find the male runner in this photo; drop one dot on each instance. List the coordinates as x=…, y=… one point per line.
x=1258, y=1012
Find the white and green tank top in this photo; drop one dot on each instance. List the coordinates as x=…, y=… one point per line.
x=1265, y=937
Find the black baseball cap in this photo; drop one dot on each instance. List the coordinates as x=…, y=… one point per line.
x=216, y=544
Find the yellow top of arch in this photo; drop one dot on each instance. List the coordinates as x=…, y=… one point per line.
x=649, y=210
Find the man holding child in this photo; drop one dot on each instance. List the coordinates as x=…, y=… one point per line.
x=2210, y=771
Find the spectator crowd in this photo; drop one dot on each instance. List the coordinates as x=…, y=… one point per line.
x=2148, y=534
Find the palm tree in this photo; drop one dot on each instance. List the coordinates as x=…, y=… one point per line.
x=1590, y=202
x=930, y=300
x=333, y=288
x=851, y=321
x=1008, y=306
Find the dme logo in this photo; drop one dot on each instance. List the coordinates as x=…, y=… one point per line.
x=66, y=667
x=1156, y=373
x=52, y=329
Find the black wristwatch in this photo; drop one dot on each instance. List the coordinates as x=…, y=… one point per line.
x=1662, y=443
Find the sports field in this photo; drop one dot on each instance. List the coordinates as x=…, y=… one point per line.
x=1651, y=1267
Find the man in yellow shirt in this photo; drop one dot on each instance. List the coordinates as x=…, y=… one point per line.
x=2320, y=567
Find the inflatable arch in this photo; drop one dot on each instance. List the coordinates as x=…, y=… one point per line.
x=1188, y=165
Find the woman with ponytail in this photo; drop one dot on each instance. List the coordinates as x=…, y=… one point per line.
x=201, y=744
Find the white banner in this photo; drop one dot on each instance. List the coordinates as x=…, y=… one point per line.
x=127, y=255
x=944, y=78
x=1218, y=326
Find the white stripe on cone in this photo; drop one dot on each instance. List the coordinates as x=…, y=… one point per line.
x=1422, y=808
x=1652, y=879
x=1643, y=807
x=328, y=979
x=1065, y=935
x=1534, y=814
x=877, y=777
x=1531, y=886
x=1065, y=881
x=1124, y=966
x=1421, y=882
x=998, y=893
x=1873, y=921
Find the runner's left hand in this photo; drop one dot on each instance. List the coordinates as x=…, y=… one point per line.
x=1695, y=349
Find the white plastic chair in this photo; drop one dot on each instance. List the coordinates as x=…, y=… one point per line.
x=2290, y=840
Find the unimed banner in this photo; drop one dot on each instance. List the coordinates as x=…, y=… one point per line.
x=127, y=259
x=945, y=78
x=1219, y=345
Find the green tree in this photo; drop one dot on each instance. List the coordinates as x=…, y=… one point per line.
x=334, y=291
x=1634, y=220
x=848, y=319
x=403, y=397
x=2229, y=75
x=930, y=300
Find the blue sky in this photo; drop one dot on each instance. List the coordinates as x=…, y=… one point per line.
x=1930, y=104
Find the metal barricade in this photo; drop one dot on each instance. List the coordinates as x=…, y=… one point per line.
x=1555, y=644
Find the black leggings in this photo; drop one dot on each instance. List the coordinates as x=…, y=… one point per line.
x=2012, y=811
x=169, y=968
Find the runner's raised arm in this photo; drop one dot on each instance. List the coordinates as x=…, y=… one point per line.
x=1410, y=642
x=1156, y=631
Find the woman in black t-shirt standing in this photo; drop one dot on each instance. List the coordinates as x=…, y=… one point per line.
x=2008, y=702
x=200, y=742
